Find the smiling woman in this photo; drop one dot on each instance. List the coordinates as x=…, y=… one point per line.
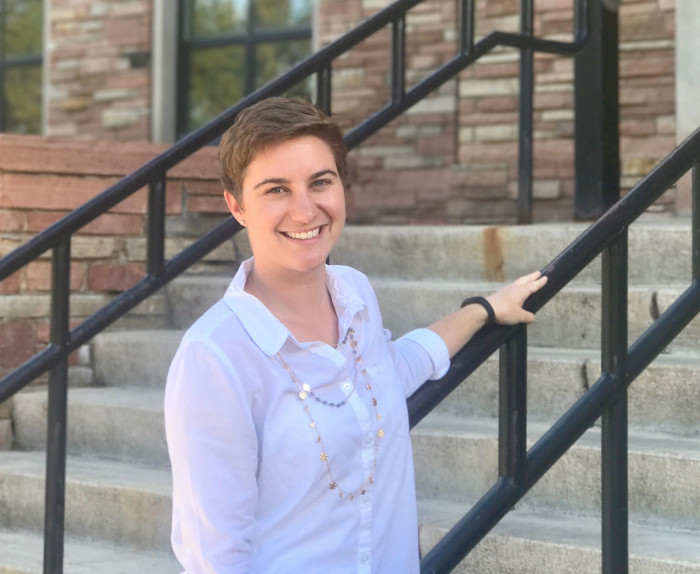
x=285, y=404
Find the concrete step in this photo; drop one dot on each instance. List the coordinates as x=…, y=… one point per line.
x=115, y=502
x=571, y=319
x=456, y=459
x=529, y=543
x=22, y=553
x=659, y=250
x=109, y=422
x=135, y=358
x=663, y=398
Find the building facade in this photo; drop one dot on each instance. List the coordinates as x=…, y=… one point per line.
x=152, y=70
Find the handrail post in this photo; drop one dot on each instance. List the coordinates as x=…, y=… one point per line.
x=323, y=89
x=596, y=104
x=155, y=258
x=696, y=222
x=512, y=410
x=55, y=502
x=614, y=468
x=398, y=59
x=527, y=82
x=466, y=26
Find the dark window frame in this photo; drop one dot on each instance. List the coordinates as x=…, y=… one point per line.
x=249, y=40
x=10, y=62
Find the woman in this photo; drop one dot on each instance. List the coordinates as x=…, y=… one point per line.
x=286, y=402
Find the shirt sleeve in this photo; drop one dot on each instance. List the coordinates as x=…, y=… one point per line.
x=213, y=449
x=425, y=356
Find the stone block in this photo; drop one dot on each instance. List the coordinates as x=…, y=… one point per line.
x=114, y=276
x=6, y=437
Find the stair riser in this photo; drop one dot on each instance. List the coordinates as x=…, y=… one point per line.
x=509, y=555
x=122, y=359
x=657, y=253
x=664, y=397
x=663, y=489
x=570, y=320
x=115, y=433
x=119, y=516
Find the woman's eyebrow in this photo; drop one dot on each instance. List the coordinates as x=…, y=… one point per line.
x=322, y=173
x=275, y=180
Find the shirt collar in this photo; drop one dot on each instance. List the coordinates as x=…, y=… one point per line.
x=268, y=332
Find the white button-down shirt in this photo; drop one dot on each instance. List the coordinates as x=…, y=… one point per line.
x=250, y=491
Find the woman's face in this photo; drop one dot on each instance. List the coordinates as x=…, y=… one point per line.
x=293, y=204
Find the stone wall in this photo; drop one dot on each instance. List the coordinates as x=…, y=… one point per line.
x=453, y=157
x=98, y=63
x=41, y=180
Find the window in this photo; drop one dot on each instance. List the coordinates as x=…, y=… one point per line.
x=228, y=48
x=21, y=35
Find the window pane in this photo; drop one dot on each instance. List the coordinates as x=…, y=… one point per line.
x=281, y=13
x=275, y=58
x=23, y=27
x=23, y=100
x=216, y=83
x=219, y=17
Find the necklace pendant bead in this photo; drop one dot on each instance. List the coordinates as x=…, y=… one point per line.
x=306, y=387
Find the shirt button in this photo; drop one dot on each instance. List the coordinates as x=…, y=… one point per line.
x=365, y=558
x=347, y=386
x=368, y=440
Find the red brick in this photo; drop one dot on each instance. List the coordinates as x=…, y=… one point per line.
x=203, y=187
x=17, y=340
x=114, y=276
x=205, y=204
x=12, y=221
x=60, y=193
x=11, y=284
x=38, y=276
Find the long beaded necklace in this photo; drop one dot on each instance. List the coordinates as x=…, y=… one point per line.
x=304, y=391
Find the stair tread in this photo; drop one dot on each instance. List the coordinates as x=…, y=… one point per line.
x=661, y=543
x=640, y=441
x=155, y=479
x=22, y=553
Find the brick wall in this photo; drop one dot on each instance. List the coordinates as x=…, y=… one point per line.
x=99, y=69
x=42, y=179
x=453, y=157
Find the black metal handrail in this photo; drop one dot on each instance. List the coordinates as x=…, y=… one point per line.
x=153, y=174
x=520, y=470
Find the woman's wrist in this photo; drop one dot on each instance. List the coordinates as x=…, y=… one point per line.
x=485, y=305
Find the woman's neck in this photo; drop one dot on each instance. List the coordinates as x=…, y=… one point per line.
x=299, y=300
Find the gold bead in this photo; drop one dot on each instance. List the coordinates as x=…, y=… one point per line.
x=374, y=402
x=380, y=433
x=306, y=387
x=302, y=395
x=379, y=417
x=332, y=485
x=312, y=424
x=324, y=457
x=369, y=387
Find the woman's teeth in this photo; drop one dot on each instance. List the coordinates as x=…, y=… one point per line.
x=304, y=234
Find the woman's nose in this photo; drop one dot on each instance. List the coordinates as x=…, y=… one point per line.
x=303, y=206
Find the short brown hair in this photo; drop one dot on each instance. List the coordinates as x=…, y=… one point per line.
x=273, y=121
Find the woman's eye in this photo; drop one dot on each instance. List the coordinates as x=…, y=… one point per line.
x=321, y=182
x=275, y=190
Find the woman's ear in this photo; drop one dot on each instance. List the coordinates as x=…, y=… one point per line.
x=234, y=207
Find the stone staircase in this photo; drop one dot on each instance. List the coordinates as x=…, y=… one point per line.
x=118, y=485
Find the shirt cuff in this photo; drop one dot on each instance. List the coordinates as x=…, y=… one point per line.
x=436, y=349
